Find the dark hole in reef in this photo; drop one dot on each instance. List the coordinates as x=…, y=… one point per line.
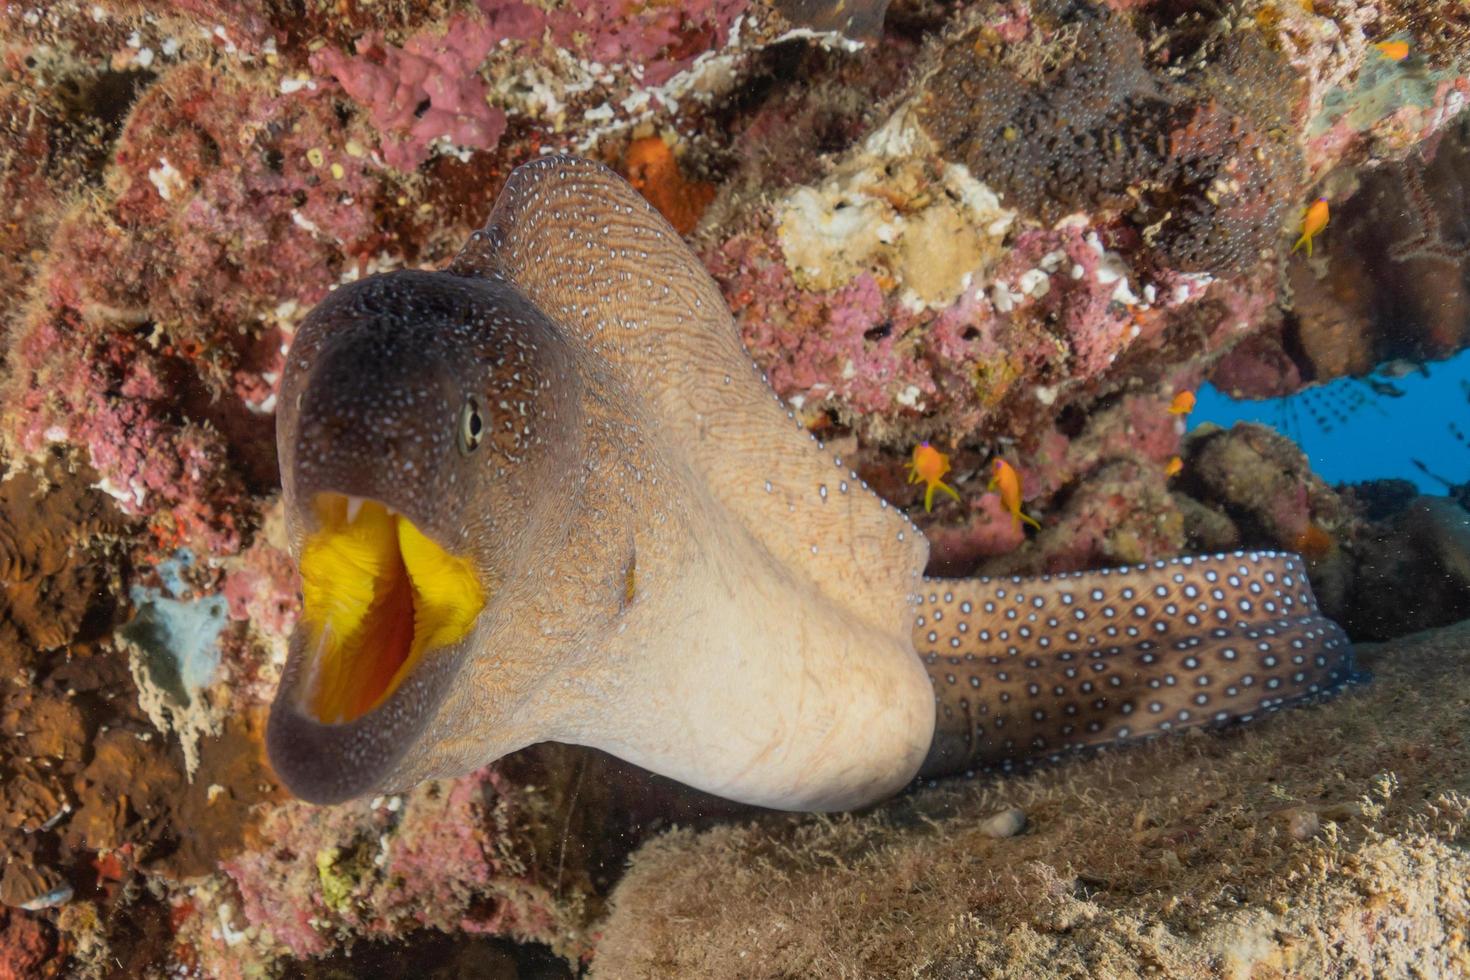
x=1189, y=24
x=209, y=150
x=879, y=332
x=833, y=133
x=1072, y=420
x=1294, y=348
x=112, y=94
x=420, y=109
x=436, y=956
x=99, y=618
x=275, y=160
x=776, y=69
x=93, y=106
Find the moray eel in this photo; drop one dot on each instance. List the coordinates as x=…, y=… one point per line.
x=545, y=495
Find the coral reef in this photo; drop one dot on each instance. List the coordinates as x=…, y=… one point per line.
x=435, y=89
x=1404, y=294
x=1384, y=561
x=1015, y=229
x=1238, y=854
x=1413, y=570
x=1382, y=290
x=91, y=793
x=1060, y=113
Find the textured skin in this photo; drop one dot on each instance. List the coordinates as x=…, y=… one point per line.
x=1025, y=669
x=765, y=654
x=677, y=572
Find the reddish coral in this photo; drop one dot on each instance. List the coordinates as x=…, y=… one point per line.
x=26, y=947
x=656, y=40
x=650, y=167
x=263, y=590
x=955, y=549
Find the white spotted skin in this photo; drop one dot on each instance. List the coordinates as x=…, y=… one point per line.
x=765, y=653
x=768, y=659
x=768, y=649
x=1025, y=669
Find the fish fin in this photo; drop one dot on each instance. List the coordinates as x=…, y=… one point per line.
x=951, y=491
x=929, y=499
x=1029, y=520
x=1219, y=639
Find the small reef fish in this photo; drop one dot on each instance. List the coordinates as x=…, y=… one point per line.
x=1386, y=389
x=929, y=466
x=1313, y=221
x=1182, y=404
x=1008, y=482
x=1402, y=367
x=1174, y=467
x=1393, y=50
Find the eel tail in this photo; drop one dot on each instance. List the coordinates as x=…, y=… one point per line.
x=1026, y=669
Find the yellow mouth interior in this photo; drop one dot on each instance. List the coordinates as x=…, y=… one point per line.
x=378, y=594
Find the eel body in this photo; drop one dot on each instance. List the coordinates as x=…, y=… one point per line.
x=1028, y=668
x=670, y=567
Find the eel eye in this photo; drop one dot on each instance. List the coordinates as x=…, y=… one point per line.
x=471, y=426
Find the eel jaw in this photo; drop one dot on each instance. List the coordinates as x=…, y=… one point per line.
x=378, y=596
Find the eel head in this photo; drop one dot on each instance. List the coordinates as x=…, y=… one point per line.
x=399, y=437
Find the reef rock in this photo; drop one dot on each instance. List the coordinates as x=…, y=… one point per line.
x=1014, y=228
x=1412, y=570
x=1236, y=854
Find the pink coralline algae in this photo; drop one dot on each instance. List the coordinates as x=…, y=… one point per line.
x=854, y=349
x=149, y=343
x=1061, y=307
x=655, y=40
x=263, y=589
x=424, y=859
x=431, y=88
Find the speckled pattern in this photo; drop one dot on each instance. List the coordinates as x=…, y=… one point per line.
x=709, y=592
x=1029, y=668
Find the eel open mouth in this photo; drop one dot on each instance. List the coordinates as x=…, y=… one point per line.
x=378, y=594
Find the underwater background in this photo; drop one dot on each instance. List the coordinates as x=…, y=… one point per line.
x=1197, y=272
x=1355, y=430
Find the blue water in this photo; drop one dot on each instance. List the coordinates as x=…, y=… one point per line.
x=1368, y=435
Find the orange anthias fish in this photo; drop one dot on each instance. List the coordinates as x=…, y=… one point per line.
x=1174, y=467
x=929, y=466
x=1182, y=404
x=1393, y=50
x=1008, y=482
x=1312, y=224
